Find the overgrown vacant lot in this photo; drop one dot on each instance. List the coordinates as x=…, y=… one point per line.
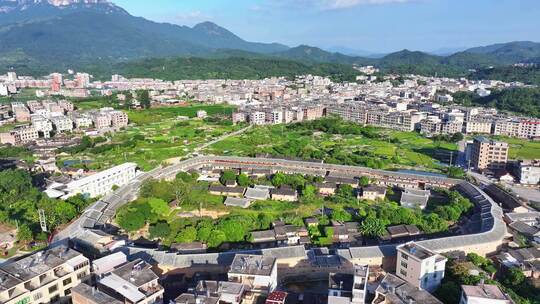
x=153, y=136
x=522, y=148
x=336, y=141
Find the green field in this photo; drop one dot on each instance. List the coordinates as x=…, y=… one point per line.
x=385, y=149
x=522, y=148
x=154, y=136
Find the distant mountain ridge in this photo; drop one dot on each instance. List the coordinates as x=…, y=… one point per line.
x=42, y=36
x=74, y=33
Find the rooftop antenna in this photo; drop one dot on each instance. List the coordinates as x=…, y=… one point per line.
x=42, y=220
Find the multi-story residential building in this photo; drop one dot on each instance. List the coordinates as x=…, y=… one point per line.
x=21, y=112
x=82, y=121
x=62, y=123
x=102, y=183
x=214, y=292
x=274, y=117
x=238, y=117
x=430, y=126
x=451, y=127
x=529, y=129
x=506, y=127
x=478, y=126
x=19, y=136
x=354, y=113
x=257, y=272
x=42, y=125
x=66, y=105
x=82, y=80
x=132, y=282
x=34, y=105
x=102, y=121
x=119, y=119
x=52, y=107
x=288, y=116
x=257, y=118
x=43, y=277
x=483, y=294
x=420, y=266
x=349, y=288
x=488, y=154
x=313, y=112
x=528, y=172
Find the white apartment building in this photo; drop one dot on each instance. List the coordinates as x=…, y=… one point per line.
x=257, y=118
x=43, y=277
x=102, y=183
x=19, y=136
x=42, y=125
x=257, y=272
x=478, y=126
x=82, y=122
x=483, y=294
x=420, y=266
x=62, y=123
x=529, y=172
x=274, y=117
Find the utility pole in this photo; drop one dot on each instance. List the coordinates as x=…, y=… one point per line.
x=451, y=154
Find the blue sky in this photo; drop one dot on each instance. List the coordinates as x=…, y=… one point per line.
x=372, y=25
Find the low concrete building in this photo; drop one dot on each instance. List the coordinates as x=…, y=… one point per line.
x=414, y=198
x=258, y=273
x=373, y=193
x=257, y=194
x=133, y=282
x=226, y=191
x=326, y=189
x=284, y=193
x=393, y=290
x=483, y=294
x=237, y=202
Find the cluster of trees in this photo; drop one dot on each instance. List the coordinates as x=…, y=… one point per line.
x=513, y=281
x=519, y=100
x=96, y=145
x=335, y=125
x=152, y=209
x=20, y=201
x=454, y=138
x=303, y=148
x=224, y=68
x=86, y=143
x=529, y=75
